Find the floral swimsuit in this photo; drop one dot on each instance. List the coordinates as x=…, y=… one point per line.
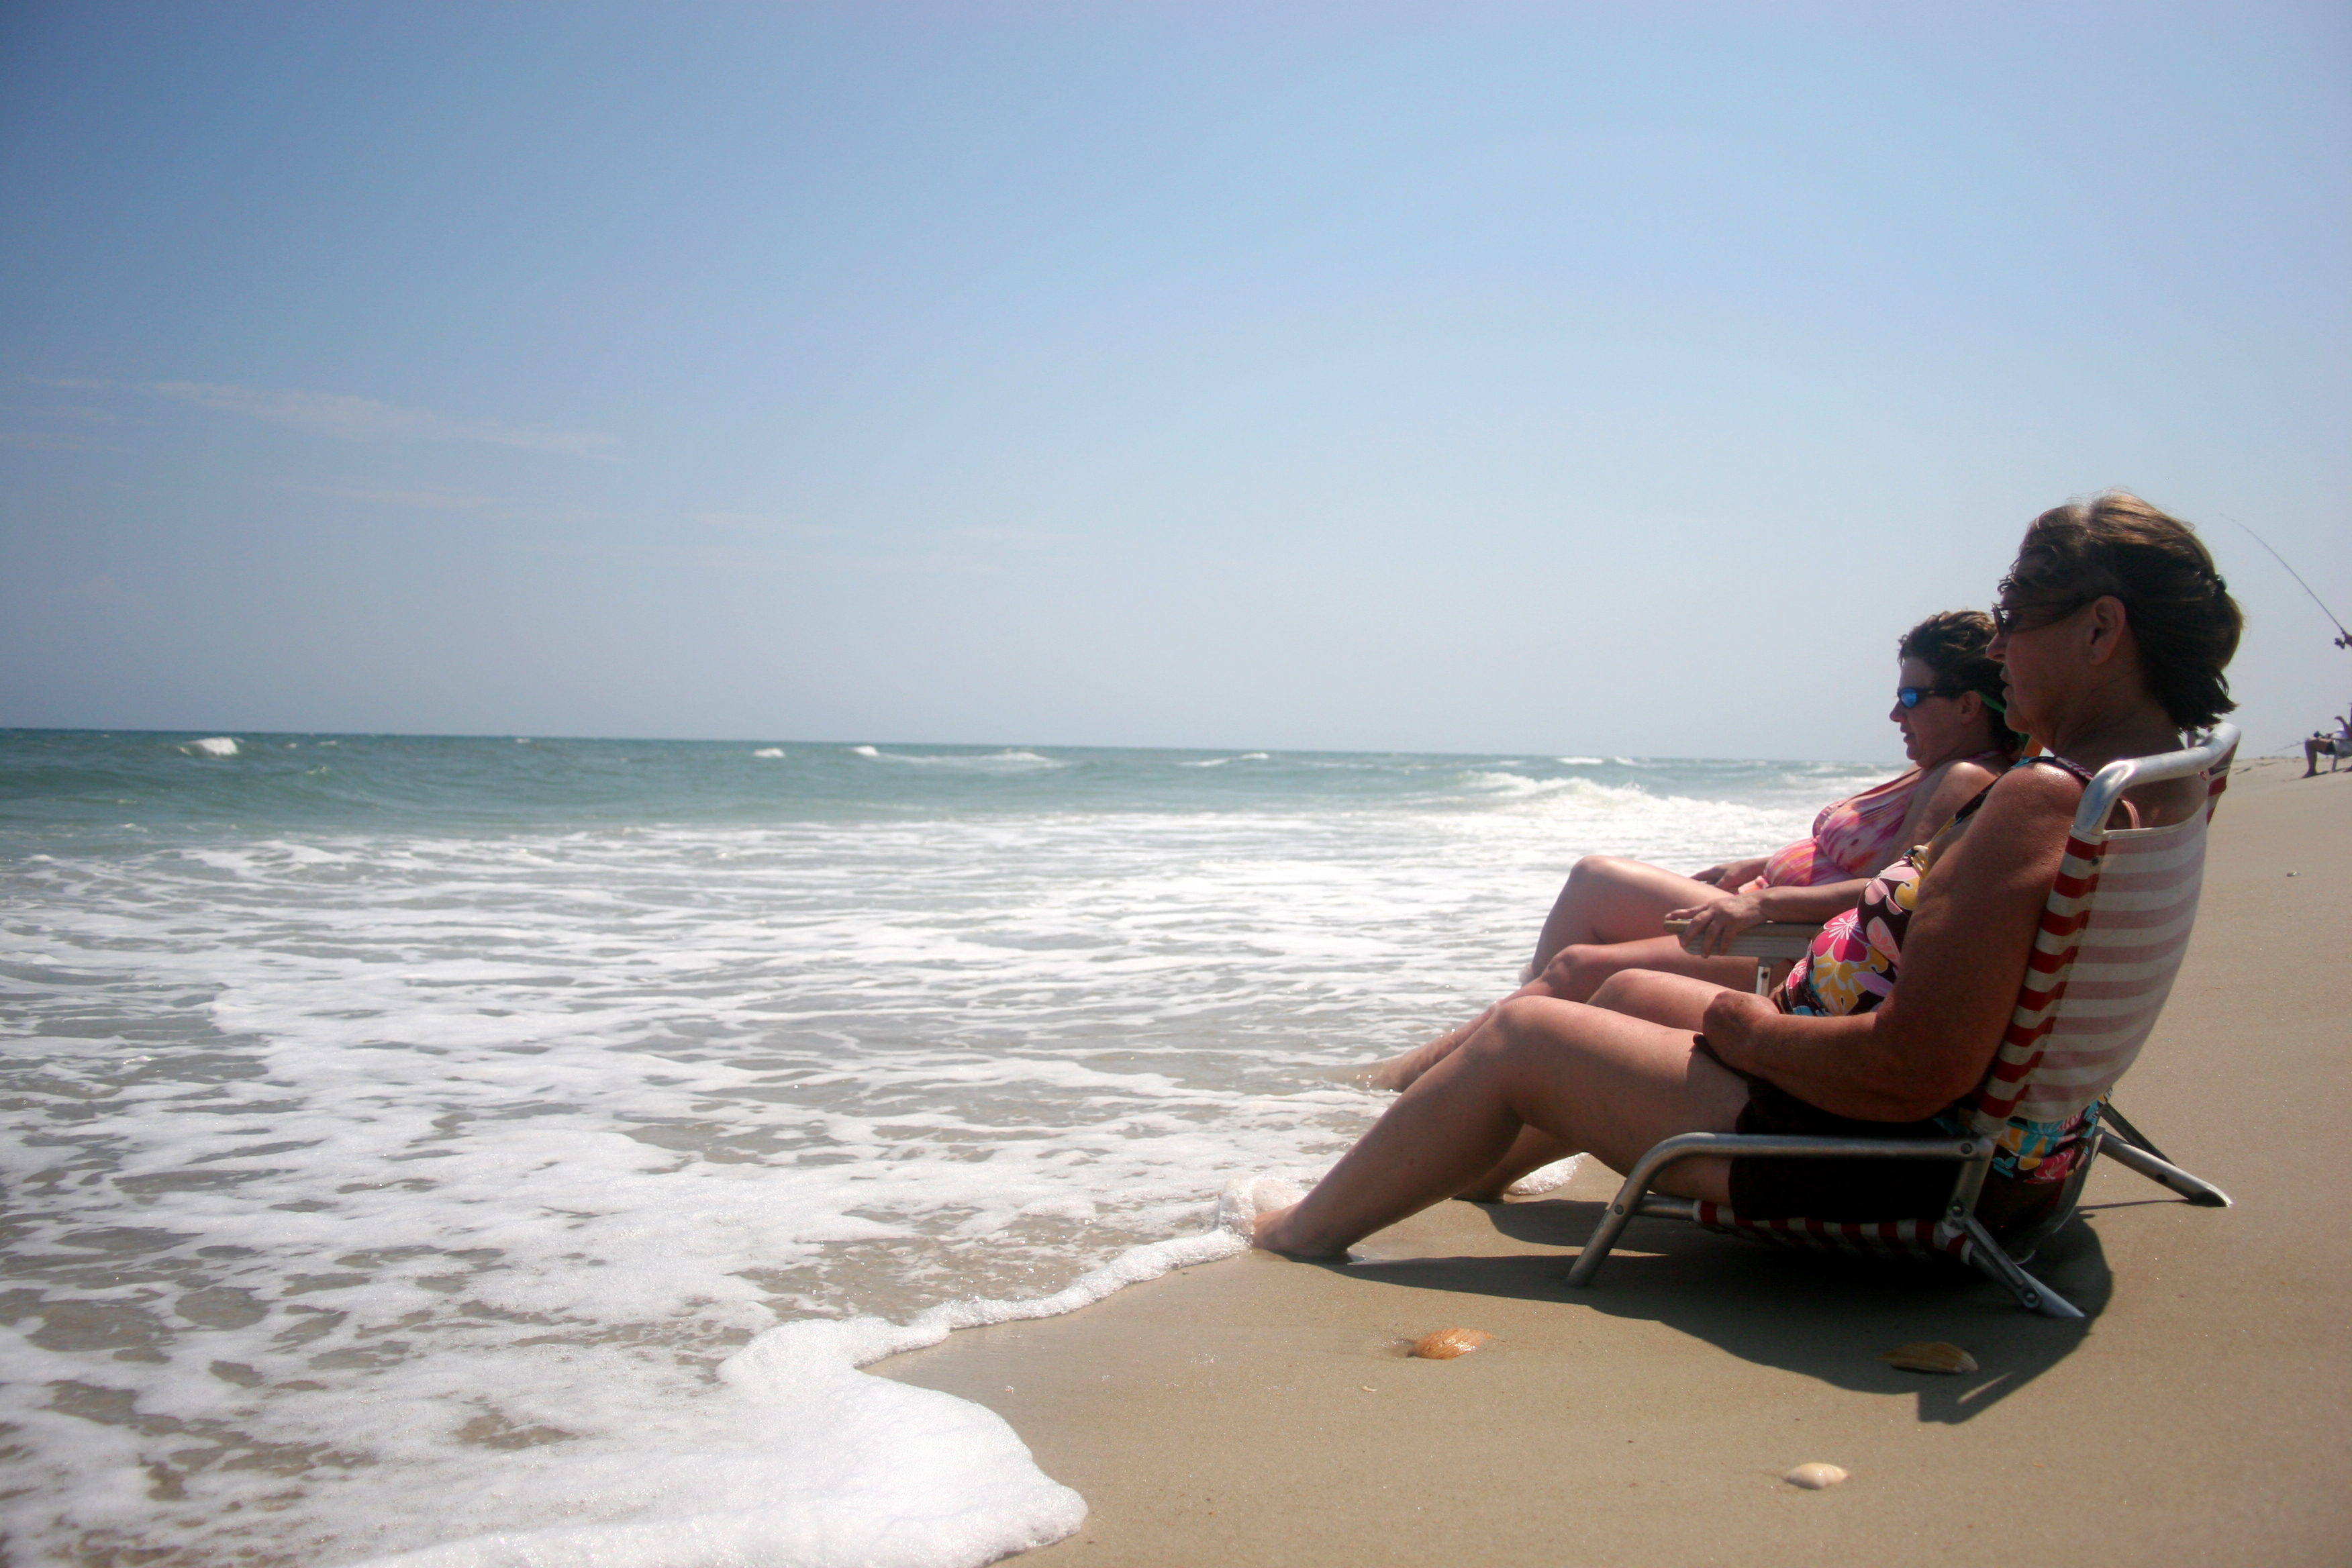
x=1853, y=964
x=1852, y=838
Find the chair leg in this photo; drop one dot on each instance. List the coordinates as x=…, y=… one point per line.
x=2112, y=1118
x=2132, y=1157
x=1612, y=1224
x=1989, y=1256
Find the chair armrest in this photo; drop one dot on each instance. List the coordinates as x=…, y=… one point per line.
x=1772, y=940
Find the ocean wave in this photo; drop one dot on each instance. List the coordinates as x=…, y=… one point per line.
x=215, y=746
x=1581, y=762
x=768, y=751
x=1221, y=762
x=1010, y=759
x=549, y=1121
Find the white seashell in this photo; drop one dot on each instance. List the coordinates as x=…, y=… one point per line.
x=1447, y=1343
x=1814, y=1477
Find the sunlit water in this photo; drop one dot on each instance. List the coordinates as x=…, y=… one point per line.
x=388, y=1119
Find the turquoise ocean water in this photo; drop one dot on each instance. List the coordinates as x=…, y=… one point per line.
x=391, y=1117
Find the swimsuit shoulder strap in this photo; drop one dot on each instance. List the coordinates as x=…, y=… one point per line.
x=2082, y=775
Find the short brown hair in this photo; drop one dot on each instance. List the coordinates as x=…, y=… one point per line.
x=1952, y=644
x=2178, y=607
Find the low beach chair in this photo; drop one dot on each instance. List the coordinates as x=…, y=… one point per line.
x=2113, y=933
x=1772, y=942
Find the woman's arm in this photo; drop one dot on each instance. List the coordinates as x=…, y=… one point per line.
x=1711, y=926
x=1733, y=873
x=1931, y=1040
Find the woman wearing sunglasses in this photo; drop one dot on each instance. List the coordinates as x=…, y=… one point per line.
x=1611, y=914
x=2114, y=631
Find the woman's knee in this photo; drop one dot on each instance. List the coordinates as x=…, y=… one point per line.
x=1593, y=868
x=1578, y=970
x=1626, y=990
x=1514, y=1027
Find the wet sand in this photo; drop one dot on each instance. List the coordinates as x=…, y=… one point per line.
x=1261, y=1411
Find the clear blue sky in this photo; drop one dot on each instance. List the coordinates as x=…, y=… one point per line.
x=1461, y=376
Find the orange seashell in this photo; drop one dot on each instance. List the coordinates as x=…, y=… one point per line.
x=1447, y=1343
x=1930, y=1356
x=1814, y=1477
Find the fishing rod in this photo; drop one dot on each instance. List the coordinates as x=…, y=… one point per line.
x=2343, y=638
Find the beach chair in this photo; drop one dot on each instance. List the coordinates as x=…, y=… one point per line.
x=1767, y=943
x=2112, y=937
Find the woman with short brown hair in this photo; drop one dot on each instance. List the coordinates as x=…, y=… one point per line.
x=2114, y=631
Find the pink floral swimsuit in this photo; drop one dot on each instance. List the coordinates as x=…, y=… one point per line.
x=1854, y=837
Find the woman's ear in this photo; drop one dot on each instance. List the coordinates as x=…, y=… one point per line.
x=2107, y=624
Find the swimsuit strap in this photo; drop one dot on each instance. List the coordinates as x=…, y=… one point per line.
x=2082, y=774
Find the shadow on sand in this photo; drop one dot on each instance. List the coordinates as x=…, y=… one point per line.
x=1804, y=1312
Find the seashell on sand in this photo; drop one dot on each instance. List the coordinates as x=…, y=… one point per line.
x=1930, y=1356
x=1447, y=1343
x=1814, y=1477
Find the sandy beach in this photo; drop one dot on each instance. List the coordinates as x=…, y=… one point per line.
x=1261, y=1411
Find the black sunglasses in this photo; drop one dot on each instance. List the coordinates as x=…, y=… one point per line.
x=2009, y=619
x=1912, y=696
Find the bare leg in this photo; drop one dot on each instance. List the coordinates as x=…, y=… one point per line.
x=1608, y=918
x=1576, y=972
x=1592, y=1078
x=1532, y=1150
x=1674, y=1001
x=1610, y=899
x=1577, y=975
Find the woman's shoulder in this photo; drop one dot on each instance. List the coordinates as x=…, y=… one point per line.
x=2038, y=785
x=1947, y=786
x=1979, y=770
x=1902, y=783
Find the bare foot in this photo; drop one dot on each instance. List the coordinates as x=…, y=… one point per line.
x=1275, y=1231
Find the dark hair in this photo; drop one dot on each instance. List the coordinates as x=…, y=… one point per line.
x=2178, y=607
x=1953, y=645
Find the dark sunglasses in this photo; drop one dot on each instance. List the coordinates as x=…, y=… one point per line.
x=1912, y=696
x=2010, y=618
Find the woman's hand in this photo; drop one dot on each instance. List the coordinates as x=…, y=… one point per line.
x=1712, y=925
x=1732, y=874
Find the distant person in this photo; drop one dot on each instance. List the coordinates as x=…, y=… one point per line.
x=2323, y=744
x=1611, y=916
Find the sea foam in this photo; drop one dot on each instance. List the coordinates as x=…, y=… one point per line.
x=822, y=1466
x=365, y=1158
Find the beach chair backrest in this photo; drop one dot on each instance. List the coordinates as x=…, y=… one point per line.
x=2112, y=937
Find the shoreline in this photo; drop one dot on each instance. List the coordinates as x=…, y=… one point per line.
x=1259, y=1410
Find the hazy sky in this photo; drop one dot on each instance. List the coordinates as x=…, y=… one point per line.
x=1461, y=376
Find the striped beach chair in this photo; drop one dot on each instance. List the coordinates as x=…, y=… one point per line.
x=2112, y=937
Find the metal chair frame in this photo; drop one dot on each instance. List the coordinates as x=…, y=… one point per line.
x=1958, y=1228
